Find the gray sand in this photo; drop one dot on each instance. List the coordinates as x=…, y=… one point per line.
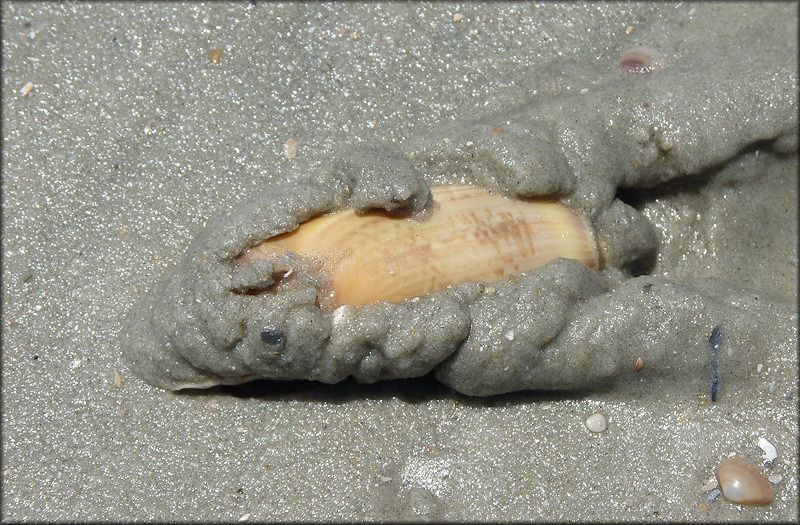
x=133, y=143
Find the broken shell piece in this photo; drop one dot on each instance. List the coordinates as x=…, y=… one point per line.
x=215, y=56
x=770, y=453
x=743, y=484
x=471, y=235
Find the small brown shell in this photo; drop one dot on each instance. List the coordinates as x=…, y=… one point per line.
x=742, y=483
x=215, y=56
x=471, y=235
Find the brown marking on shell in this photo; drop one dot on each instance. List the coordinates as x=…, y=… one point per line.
x=742, y=483
x=471, y=235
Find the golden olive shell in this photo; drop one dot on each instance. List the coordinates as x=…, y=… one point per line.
x=742, y=483
x=471, y=235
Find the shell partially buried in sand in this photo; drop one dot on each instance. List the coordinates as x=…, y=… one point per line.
x=471, y=235
x=742, y=483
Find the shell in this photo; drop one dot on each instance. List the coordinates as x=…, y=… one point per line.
x=641, y=60
x=743, y=484
x=597, y=422
x=471, y=235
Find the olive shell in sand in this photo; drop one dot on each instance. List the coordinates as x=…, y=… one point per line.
x=742, y=483
x=471, y=235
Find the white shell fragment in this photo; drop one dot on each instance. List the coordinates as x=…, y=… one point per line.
x=775, y=478
x=710, y=484
x=769, y=450
x=597, y=422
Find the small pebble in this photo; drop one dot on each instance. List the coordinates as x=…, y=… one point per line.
x=27, y=88
x=743, y=484
x=271, y=337
x=639, y=366
x=597, y=422
x=458, y=17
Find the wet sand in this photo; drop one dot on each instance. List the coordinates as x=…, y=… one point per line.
x=133, y=139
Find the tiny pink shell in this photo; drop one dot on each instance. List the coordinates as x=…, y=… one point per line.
x=641, y=60
x=290, y=148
